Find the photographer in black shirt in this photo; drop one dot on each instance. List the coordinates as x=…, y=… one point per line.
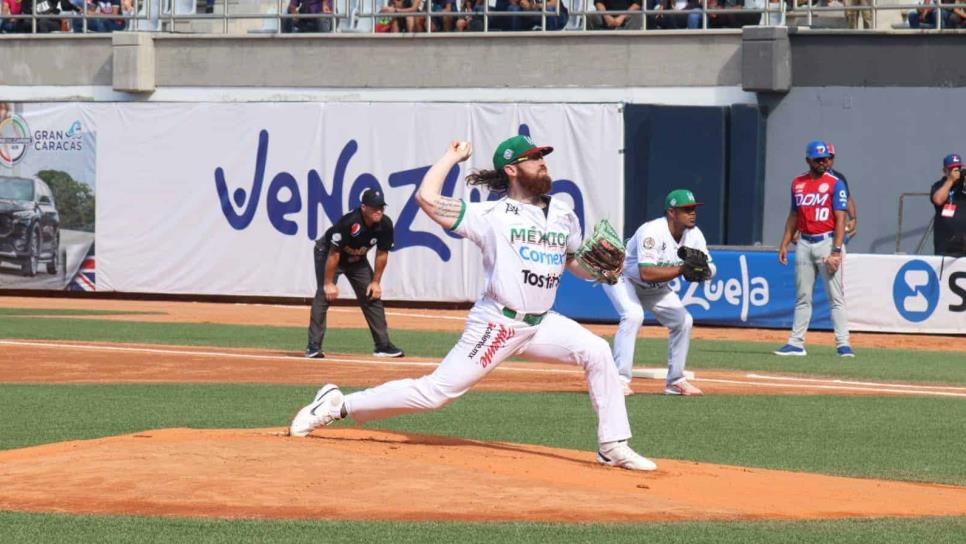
x=949, y=199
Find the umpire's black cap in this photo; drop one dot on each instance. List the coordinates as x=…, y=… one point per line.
x=373, y=198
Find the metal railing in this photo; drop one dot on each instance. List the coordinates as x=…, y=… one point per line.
x=378, y=16
x=925, y=234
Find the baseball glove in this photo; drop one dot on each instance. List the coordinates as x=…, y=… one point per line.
x=695, y=266
x=602, y=255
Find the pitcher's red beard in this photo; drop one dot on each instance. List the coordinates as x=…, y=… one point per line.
x=536, y=184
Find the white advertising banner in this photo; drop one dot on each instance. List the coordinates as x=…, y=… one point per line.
x=228, y=198
x=901, y=293
x=47, y=196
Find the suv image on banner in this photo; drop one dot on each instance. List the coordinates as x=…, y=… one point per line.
x=29, y=224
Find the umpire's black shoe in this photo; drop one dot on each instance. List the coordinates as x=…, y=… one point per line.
x=388, y=350
x=314, y=352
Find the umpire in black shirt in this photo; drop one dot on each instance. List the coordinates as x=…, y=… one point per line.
x=949, y=199
x=342, y=250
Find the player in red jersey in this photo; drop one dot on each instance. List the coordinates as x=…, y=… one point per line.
x=819, y=204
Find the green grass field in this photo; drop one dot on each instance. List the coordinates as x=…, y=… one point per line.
x=904, y=438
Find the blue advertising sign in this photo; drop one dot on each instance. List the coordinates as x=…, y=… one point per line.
x=750, y=289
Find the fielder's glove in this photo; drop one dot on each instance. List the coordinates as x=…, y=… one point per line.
x=602, y=255
x=695, y=266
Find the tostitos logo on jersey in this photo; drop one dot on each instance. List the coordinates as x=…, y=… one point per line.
x=14, y=140
x=546, y=281
x=915, y=291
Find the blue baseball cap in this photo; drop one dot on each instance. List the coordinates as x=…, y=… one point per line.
x=952, y=160
x=817, y=149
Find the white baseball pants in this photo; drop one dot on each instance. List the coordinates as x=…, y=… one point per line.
x=630, y=300
x=488, y=339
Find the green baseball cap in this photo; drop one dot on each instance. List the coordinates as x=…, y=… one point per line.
x=680, y=198
x=513, y=148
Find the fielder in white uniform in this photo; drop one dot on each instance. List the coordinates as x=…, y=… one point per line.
x=651, y=262
x=528, y=239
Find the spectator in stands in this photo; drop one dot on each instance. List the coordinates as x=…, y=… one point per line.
x=49, y=7
x=514, y=22
x=957, y=17
x=852, y=16
x=444, y=23
x=127, y=10
x=631, y=21
x=730, y=20
x=307, y=24
x=535, y=22
x=95, y=8
x=412, y=23
x=5, y=110
x=389, y=24
x=925, y=17
x=949, y=199
x=470, y=19
x=688, y=14
x=8, y=8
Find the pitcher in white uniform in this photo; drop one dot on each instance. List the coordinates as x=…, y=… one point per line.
x=528, y=239
x=651, y=262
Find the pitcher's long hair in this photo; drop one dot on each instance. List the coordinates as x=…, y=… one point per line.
x=495, y=180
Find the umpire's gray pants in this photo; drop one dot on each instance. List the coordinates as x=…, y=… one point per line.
x=808, y=263
x=359, y=276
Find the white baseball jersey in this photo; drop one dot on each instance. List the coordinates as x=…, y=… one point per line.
x=524, y=249
x=653, y=245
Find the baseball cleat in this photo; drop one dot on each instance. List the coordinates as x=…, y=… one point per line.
x=790, y=350
x=845, y=351
x=325, y=408
x=388, y=350
x=683, y=388
x=619, y=454
x=314, y=352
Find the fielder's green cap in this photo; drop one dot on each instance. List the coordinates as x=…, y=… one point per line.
x=680, y=198
x=514, y=148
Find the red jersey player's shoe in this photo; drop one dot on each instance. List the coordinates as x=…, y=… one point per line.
x=790, y=350
x=845, y=351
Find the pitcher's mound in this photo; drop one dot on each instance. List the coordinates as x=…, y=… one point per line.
x=358, y=474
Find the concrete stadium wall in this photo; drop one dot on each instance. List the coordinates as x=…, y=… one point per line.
x=888, y=141
x=354, y=61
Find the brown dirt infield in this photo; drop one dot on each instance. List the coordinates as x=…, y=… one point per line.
x=363, y=474
x=383, y=475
